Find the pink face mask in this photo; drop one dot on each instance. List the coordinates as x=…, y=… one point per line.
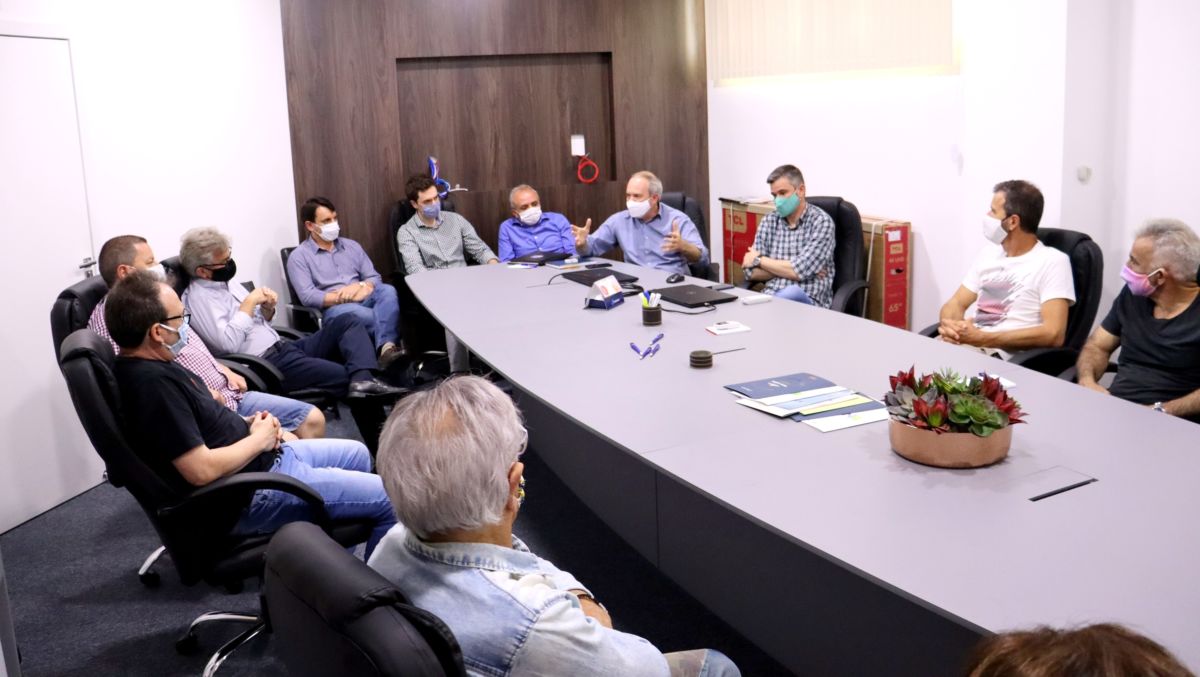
x=1139, y=284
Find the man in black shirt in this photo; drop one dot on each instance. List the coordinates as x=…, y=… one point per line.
x=190, y=440
x=1155, y=320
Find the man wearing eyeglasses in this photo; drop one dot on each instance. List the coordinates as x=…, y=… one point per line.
x=124, y=255
x=189, y=440
x=231, y=319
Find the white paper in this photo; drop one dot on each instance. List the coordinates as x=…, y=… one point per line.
x=831, y=423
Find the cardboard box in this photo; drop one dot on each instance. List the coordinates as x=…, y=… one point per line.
x=887, y=246
x=740, y=219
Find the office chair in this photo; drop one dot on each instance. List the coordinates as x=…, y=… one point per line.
x=331, y=614
x=303, y=318
x=849, y=269
x=194, y=526
x=1087, y=271
x=691, y=207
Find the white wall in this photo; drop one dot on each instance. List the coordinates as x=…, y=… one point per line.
x=927, y=149
x=183, y=118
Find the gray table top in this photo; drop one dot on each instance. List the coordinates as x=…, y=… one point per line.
x=968, y=542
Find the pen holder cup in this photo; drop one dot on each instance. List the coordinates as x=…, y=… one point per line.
x=651, y=317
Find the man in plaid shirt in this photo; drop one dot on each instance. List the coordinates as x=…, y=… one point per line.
x=124, y=254
x=793, y=248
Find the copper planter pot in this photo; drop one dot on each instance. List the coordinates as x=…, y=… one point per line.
x=949, y=450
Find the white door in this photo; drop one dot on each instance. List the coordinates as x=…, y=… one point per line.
x=45, y=457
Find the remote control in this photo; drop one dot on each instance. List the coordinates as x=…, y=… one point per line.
x=755, y=300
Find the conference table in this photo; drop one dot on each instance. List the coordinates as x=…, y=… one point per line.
x=829, y=551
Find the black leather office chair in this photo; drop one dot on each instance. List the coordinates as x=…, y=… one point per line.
x=691, y=207
x=1087, y=271
x=303, y=318
x=73, y=308
x=330, y=614
x=849, y=274
x=195, y=526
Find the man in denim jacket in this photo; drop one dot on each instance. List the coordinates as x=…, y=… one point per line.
x=449, y=458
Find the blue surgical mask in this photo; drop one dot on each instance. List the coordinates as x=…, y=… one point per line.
x=177, y=347
x=432, y=211
x=786, y=205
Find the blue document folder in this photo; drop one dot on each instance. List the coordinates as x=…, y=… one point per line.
x=780, y=385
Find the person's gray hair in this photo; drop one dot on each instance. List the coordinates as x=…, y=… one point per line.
x=445, y=454
x=655, y=184
x=199, y=247
x=790, y=172
x=512, y=194
x=1176, y=248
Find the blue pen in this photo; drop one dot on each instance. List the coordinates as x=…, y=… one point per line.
x=655, y=351
x=636, y=349
x=657, y=339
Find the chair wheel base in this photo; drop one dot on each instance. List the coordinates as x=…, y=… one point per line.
x=187, y=645
x=150, y=579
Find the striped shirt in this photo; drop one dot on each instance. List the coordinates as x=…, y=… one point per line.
x=809, y=247
x=194, y=357
x=445, y=245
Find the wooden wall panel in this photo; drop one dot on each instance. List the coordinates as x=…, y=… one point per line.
x=345, y=61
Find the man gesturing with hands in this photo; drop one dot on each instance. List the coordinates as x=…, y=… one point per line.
x=190, y=440
x=649, y=233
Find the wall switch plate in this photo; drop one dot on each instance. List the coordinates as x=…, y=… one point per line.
x=578, y=149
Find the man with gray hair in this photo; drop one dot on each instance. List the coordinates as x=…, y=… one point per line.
x=649, y=233
x=530, y=230
x=450, y=462
x=233, y=320
x=793, y=247
x=1155, y=320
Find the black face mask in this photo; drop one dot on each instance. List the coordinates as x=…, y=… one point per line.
x=225, y=273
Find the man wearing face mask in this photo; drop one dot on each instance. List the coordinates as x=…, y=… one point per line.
x=434, y=239
x=190, y=441
x=793, y=247
x=233, y=320
x=1155, y=321
x=123, y=255
x=650, y=233
x=531, y=230
x=334, y=274
x=1022, y=288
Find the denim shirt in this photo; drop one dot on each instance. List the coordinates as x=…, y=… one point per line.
x=510, y=609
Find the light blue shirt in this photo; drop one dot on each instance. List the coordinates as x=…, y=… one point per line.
x=217, y=319
x=641, y=241
x=314, y=271
x=510, y=610
x=552, y=233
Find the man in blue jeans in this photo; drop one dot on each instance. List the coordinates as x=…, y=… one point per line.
x=333, y=273
x=190, y=440
x=793, y=247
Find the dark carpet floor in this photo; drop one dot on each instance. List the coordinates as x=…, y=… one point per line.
x=80, y=609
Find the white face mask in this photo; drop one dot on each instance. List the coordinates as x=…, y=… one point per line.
x=330, y=231
x=158, y=271
x=638, y=209
x=530, y=216
x=993, y=229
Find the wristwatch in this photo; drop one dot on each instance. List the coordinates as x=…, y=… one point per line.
x=755, y=263
x=1158, y=406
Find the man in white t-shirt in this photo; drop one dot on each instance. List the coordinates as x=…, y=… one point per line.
x=1020, y=287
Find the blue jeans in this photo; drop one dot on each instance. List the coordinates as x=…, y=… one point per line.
x=291, y=413
x=338, y=470
x=379, y=313
x=701, y=663
x=793, y=292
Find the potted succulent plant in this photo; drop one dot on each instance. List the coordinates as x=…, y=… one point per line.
x=950, y=421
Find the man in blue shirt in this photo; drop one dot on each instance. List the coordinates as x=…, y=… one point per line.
x=334, y=274
x=531, y=230
x=650, y=234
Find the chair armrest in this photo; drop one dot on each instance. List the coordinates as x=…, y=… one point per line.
x=271, y=377
x=253, y=380
x=249, y=482
x=847, y=291
x=289, y=333
x=1052, y=361
x=314, y=313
